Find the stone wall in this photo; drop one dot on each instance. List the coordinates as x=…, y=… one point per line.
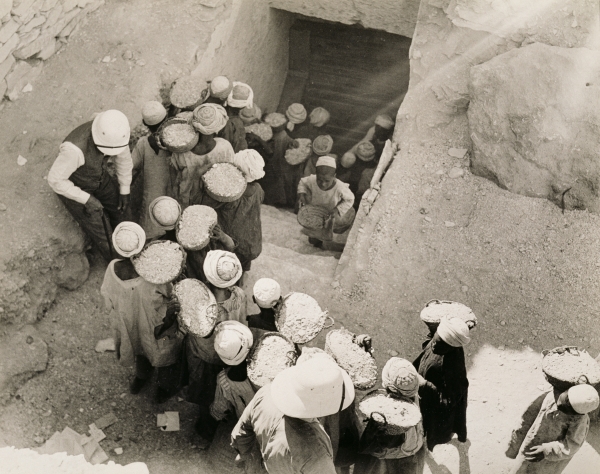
x=251, y=46
x=393, y=16
x=31, y=32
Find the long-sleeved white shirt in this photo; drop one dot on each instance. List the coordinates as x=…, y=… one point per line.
x=339, y=197
x=70, y=158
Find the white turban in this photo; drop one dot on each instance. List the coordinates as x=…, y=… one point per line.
x=220, y=87
x=209, y=118
x=233, y=341
x=153, y=113
x=348, y=159
x=266, y=292
x=222, y=269
x=164, y=212
x=319, y=117
x=250, y=115
x=326, y=161
x=296, y=114
x=583, y=398
x=400, y=376
x=384, y=121
x=128, y=239
x=454, y=332
x=322, y=144
x=250, y=163
x=240, y=96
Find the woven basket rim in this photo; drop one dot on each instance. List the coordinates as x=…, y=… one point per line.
x=199, y=246
x=182, y=148
x=203, y=96
x=156, y=242
x=211, y=299
x=389, y=427
x=428, y=319
x=257, y=346
x=328, y=350
x=311, y=208
x=547, y=368
x=280, y=308
x=218, y=197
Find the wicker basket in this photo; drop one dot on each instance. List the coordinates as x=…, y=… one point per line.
x=567, y=366
x=170, y=270
x=300, y=318
x=178, y=148
x=187, y=115
x=312, y=217
x=262, y=130
x=434, y=310
x=197, y=315
x=193, y=236
x=295, y=156
x=396, y=415
x=359, y=364
x=189, y=92
x=279, y=358
x=234, y=173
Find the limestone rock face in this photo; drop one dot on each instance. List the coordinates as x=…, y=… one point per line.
x=534, y=118
x=74, y=272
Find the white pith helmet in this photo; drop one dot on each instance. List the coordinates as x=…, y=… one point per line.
x=110, y=131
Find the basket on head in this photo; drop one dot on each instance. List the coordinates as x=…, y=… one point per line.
x=567, y=366
x=224, y=182
x=178, y=135
x=435, y=310
x=196, y=316
x=398, y=415
x=161, y=261
x=312, y=217
x=300, y=317
x=295, y=156
x=359, y=364
x=262, y=130
x=195, y=226
x=271, y=354
x=189, y=92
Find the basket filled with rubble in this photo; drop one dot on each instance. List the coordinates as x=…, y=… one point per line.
x=295, y=156
x=271, y=354
x=224, y=182
x=567, y=366
x=360, y=364
x=300, y=318
x=195, y=226
x=161, y=261
x=312, y=217
x=189, y=92
x=178, y=135
x=261, y=130
x=394, y=415
x=435, y=310
x=198, y=314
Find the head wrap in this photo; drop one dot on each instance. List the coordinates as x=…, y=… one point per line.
x=266, y=292
x=384, y=121
x=326, y=161
x=209, y=118
x=250, y=115
x=400, y=376
x=220, y=87
x=164, y=212
x=222, y=269
x=348, y=159
x=319, y=117
x=233, y=341
x=250, y=163
x=322, y=144
x=240, y=96
x=128, y=239
x=365, y=151
x=275, y=119
x=296, y=114
x=153, y=113
x=583, y=398
x=454, y=332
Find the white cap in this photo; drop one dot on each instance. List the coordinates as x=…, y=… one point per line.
x=110, y=131
x=128, y=239
x=153, y=112
x=583, y=398
x=266, y=292
x=233, y=341
x=348, y=159
x=326, y=161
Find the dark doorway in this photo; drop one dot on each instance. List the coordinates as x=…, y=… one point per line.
x=353, y=72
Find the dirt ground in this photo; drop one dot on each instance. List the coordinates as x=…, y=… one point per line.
x=529, y=272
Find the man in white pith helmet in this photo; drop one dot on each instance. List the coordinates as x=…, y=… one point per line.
x=80, y=178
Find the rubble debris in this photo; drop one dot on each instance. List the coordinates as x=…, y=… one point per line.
x=168, y=421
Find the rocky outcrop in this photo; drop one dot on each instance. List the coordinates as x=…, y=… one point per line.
x=534, y=117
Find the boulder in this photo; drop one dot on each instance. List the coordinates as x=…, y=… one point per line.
x=534, y=118
x=74, y=272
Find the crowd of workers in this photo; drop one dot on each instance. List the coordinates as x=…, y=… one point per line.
x=306, y=419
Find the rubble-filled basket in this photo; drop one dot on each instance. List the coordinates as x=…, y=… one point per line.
x=262, y=130
x=567, y=366
x=198, y=315
x=186, y=115
x=312, y=217
x=161, y=261
x=394, y=415
x=178, y=135
x=195, y=226
x=435, y=310
x=295, y=156
x=189, y=92
x=300, y=317
x=224, y=182
x=271, y=354
x=360, y=364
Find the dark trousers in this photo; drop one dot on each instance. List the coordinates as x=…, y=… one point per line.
x=108, y=195
x=167, y=378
